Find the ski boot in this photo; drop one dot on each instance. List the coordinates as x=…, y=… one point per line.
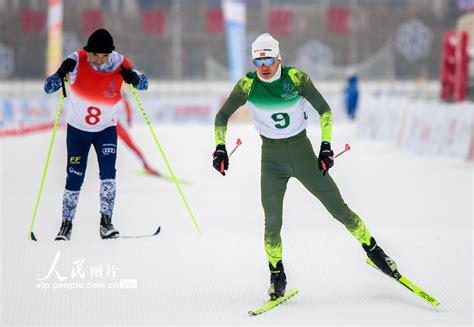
x=379, y=258
x=277, y=281
x=64, y=233
x=107, y=230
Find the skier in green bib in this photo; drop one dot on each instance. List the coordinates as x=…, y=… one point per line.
x=276, y=96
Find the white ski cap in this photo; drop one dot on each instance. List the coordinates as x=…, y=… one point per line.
x=265, y=46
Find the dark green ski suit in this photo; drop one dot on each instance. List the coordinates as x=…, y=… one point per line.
x=277, y=110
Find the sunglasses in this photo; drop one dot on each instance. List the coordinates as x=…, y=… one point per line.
x=266, y=62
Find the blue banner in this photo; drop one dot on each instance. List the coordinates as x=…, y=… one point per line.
x=235, y=25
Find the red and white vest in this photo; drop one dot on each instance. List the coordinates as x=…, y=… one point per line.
x=94, y=96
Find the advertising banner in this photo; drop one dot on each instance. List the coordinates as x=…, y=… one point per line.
x=235, y=21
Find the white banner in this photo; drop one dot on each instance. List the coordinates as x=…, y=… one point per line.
x=381, y=117
x=426, y=127
x=177, y=109
x=19, y=115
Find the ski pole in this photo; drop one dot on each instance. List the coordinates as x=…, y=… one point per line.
x=175, y=180
x=346, y=148
x=239, y=142
x=31, y=236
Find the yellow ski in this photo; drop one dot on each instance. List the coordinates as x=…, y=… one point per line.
x=273, y=303
x=408, y=284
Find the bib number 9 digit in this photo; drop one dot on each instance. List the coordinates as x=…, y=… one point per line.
x=282, y=119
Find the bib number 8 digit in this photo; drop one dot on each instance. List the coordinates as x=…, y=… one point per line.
x=282, y=119
x=93, y=115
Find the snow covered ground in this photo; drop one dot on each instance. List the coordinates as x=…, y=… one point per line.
x=418, y=208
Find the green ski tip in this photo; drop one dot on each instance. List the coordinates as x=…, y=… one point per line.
x=273, y=303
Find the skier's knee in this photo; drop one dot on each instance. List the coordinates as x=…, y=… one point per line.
x=74, y=179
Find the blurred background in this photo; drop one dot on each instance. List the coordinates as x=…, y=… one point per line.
x=186, y=39
x=398, y=51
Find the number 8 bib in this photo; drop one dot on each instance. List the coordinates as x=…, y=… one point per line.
x=93, y=115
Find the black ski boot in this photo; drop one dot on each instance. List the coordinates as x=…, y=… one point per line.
x=107, y=230
x=277, y=281
x=379, y=258
x=64, y=233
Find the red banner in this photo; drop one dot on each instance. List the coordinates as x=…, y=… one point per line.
x=280, y=22
x=154, y=22
x=338, y=20
x=33, y=21
x=92, y=20
x=214, y=21
x=454, y=66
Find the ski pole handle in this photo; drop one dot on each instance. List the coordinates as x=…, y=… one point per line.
x=63, y=87
x=239, y=142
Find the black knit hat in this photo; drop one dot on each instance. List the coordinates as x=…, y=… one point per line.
x=100, y=42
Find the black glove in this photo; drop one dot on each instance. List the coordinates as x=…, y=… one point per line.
x=325, y=158
x=67, y=66
x=129, y=76
x=220, y=159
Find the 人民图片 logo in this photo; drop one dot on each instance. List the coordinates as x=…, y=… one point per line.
x=80, y=275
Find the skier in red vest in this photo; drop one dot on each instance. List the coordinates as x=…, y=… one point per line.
x=95, y=75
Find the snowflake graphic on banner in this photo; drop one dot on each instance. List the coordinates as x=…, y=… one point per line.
x=317, y=52
x=413, y=40
x=7, y=64
x=314, y=56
